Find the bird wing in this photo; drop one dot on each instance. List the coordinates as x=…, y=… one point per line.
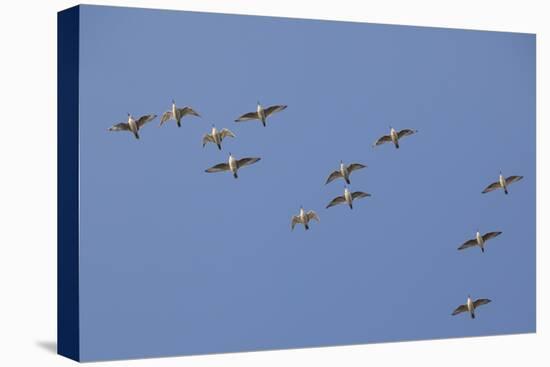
x=272, y=109
x=207, y=138
x=337, y=200
x=218, y=168
x=225, y=133
x=359, y=195
x=382, y=140
x=165, y=117
x=481, y=301
x=513, y=179
x=188, y=111
x=123, y=126
x=406, y=132
x=491, y=187
x=145, y=119
x=295, y=219
x=312, y=215
x=246, y=161
x=248, y=116
x=460, y=309
x=355, y=166
x=489, y=235
x=333, y=176
x=468, y=244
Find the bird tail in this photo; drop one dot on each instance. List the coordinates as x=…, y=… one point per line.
x=219, y=146
x=178, y=122
x=263, y=122
x=396, y=145
x=506, y=191
x=482, y=249
x=136, y=135
x=307, y=226
x=235, y=175
x=350, y=205
x=348, y=181
x=473, y=315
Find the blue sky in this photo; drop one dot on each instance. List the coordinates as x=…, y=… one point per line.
x=178, y=261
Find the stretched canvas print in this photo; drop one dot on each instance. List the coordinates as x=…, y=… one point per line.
x=235, y=183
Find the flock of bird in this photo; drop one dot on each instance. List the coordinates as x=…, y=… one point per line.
x=343, y=172
x=480, y=241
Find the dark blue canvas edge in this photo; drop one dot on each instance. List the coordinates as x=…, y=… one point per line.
x=68, y=333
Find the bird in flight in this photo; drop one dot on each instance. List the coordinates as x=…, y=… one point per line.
x=261, y=113
x=132, y=124
x=394, y=137
x=216, y=136
x=303, y=218
x=344, y=172
x=502, y=183
x=470, y=306
x=232, y=165
x=348, y=198
x=177, y=114
x=479, y=240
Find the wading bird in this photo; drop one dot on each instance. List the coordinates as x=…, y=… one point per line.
x=261, y=113
x=232, y=165
x=479, y=240
x=132, y=124
x=394, y=137
x=303, y=218
x=470, y=306
x=344, y=172
x=502, y=183
x=177, y=114
x=216, y=136
x=347, y=198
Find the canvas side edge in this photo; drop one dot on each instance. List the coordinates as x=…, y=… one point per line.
x=68, y=323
